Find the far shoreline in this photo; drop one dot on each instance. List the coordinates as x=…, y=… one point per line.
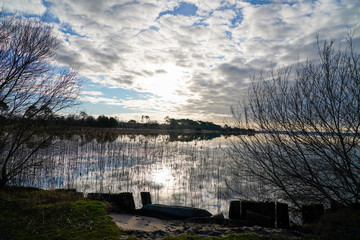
x=162, y=131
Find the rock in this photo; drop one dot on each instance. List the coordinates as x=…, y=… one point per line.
x=173, y=212
x=160, y=233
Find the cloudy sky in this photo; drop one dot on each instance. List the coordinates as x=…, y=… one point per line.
x=183, y=59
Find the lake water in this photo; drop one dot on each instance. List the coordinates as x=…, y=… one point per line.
x=189, y=173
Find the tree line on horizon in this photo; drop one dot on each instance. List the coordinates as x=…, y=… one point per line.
x=84, y=120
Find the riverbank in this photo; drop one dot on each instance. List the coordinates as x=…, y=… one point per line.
x=31, y=213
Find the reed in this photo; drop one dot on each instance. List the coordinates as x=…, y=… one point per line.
x=191, y=173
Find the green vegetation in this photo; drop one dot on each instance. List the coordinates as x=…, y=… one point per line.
x=30, y=213
x=83, y=120
x=191, y=124
x=243, y=236
x=240, y=236
x=33, y=89
x=310, y=152
x=341, y=224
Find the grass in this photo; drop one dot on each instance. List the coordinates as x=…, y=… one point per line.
x=341, y=224
x=29, y=213
x=243, y=236
x=240, y=236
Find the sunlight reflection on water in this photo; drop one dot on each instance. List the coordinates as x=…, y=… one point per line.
x=163, y=177
x=191, y=173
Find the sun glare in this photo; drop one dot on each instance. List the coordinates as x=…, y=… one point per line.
x=165, y=82
x=163, y=176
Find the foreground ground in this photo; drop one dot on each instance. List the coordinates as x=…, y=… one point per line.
x=30, y=213
x=153, y=228
x=27, y=213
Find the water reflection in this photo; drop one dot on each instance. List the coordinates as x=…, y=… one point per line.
x=164, y=177
x=189, y=173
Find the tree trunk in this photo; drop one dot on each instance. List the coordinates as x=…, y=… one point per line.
x=3, y=179
x=3, y=182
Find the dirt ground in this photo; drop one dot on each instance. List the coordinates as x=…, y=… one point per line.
x=152, y=228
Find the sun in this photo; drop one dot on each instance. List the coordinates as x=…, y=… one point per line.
x=166, y=81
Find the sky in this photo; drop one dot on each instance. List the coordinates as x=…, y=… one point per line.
x=182, y=59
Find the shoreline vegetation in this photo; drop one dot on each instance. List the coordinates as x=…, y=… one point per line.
x=108, y=128
x=176, y=134
x=320, y=99
x=170, y=125
x=32, y=213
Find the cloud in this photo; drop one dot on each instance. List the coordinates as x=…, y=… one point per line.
x=149, y=105
x=159, y=71
x=234, y=72
x=92, y=93
x=34, y=7
x=194, y=57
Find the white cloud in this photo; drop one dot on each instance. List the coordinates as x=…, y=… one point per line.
x=195, y=65
x=24, y=6
x=92, y=93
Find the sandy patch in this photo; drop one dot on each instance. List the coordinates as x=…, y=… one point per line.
x=143, y=223
x=153, y=228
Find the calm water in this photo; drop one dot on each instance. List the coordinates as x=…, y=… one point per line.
x=189, y=173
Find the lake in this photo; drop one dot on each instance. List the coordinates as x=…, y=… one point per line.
x=177, y=170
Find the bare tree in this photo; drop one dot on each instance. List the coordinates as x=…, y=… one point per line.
x=308, y=148
x=32, y=89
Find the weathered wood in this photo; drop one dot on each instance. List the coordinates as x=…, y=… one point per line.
x=259, y=219
x=121, y=202
x=124, y=202
x=98, y=196
x=260, y=213
x=249, y=209
x=282, y=215
x=312, y=213
x=234, y=210
x=145, y=198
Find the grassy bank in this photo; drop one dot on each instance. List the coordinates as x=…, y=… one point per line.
x=29, y=213
x=243, y=236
